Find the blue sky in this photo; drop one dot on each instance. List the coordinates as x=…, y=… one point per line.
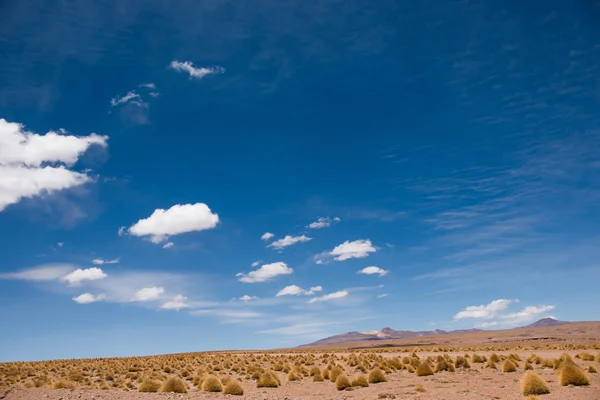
x=428, y=165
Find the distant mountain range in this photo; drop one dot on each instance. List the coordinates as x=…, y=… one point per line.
x=389, y=333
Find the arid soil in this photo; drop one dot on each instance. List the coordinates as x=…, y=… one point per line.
x=473, y=384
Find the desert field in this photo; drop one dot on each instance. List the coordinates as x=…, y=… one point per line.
x=500, y=371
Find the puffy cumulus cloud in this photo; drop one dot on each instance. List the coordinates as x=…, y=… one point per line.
x=527, y=314
x=195, y=72
x=181, y=218
x=267, y=236
x=101, y=261
x=331, y=296
x=176, y=303
x=485, y=311
x=79, y=275
x=149, y=293
x=32, y=164
x=295, y=290
x=372, y=270
x=87, y=298
x=323, y=222
x=356, y=249
x=289, y=241
x=46, y=272
x=265, y=273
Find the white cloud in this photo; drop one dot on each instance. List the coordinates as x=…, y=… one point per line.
x=331, y=296
x=297, y=329
x=245, y=298
x=177, y=303
x=527, y=314
x=195, y=72
x=288, y=241
x=381, y=296
x=87, y=298
x=32, y=164
x=356, y=249
x=265, y=273
x=255, y=263
x=131, y=95
x=149, y=85
x=322, y=222
x=267, y=236
x=294, y=290
x=100, y=261
x=168, y=245
x=149, y=294
x=486, y=311
x=484, y=325
x=373, y=270
x=180, y=218
x=80, y=275
x=46, y=272
x=223, y=313
x=60, y=244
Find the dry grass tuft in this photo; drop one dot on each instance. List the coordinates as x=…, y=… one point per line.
x=360, y=380
x=420, y=389
x=377, y=376
x=267, y=380
x=233, y=388
x=443, y=365
x=424, y=369
x=528, y=366
x=212, y=384
x=477, y=359
x=173, y=385
x=532, y=383
x=461, y=362
x=592, y=370
x=572, y=374
x=342, y=382
x=335, y=372
x=508, y=366
x=63, y=384
x=149, y=385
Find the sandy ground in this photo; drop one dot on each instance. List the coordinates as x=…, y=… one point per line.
x=473, y=384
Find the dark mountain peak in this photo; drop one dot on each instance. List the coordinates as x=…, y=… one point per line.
x=546, y=322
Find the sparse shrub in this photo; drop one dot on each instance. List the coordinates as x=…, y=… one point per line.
x=267, y=380
x=342, y=382
x=586, y=356
x=63, y=384
x=212, y=384
x=386, y=396
x=326, y=374
x=443, y=365
x=419, y=389
x=377, y=376
x=314, y=370
x=532, y=383
x=508, y=366
x=293, y=376
x=547, y=363
x=527, y=366
x=490, y=364
x=173, y=385
x=494, y=357
x=424, y=369
x=149, y=385
x=317, y=375
x=234, y=388
x=592, y=370
x=360, y=380
x=572, y=374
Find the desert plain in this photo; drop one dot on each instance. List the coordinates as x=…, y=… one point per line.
x=545, y=363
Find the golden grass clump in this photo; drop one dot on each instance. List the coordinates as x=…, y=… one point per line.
x=461, y=362
x=424, y=369
x=294, y=376
x=495, y=358
x=149, y=385
x=592, y=370
x=586, y=356
x=317, y=375
x=63, y=384
x=508, y=366
x=233, y=388
x=420, y=389
x=572, y=374
x=212, y=384
x=173, y=385
x=360, y=380
x=527, y=366
x=335, y=372
x=478, y=359
x=532, y=383
x=267, y=380
x=342, y=382
x=443, y=365
x=376, y=376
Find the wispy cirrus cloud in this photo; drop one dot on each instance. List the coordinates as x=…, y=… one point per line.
x=195, y=72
